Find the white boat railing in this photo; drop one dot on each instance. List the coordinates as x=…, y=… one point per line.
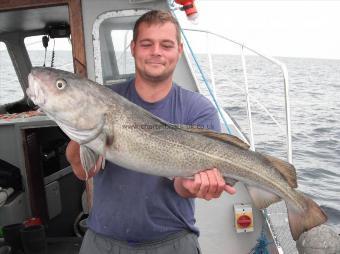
x=212, y=87
x=213, y=93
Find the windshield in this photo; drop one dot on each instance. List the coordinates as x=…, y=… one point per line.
x=10, y=89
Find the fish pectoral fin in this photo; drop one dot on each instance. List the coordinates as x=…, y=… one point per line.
x=88, y=158
x=286, y=169
x=304, y=219
x=262, y=198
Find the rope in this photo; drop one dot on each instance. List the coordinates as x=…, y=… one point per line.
x=44, y=65
x=262, y=243
x=45, y=40
x=171, y=3
x=53, y=54
x=206, y=83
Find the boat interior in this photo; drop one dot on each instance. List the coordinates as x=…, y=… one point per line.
x=32, y=150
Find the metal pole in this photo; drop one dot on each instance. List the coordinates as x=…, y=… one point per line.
x=124, y=52
x=212, y=75
x=252, y=143
x=288, y=125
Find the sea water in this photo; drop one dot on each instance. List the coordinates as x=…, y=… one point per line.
x=314, y=92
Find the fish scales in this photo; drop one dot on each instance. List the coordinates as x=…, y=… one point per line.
x=192, y=152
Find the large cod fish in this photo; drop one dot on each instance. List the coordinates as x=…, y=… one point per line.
x=104, y=123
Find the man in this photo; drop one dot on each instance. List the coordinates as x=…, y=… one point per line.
x=138, y=213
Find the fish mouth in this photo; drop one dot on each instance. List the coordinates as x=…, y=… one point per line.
x=34, y=92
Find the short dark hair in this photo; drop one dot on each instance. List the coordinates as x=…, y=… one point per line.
x=157, y=17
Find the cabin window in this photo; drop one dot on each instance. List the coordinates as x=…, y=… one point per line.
x=10, y=88
x=121, y=43
x=58, y=53
x=112, y=34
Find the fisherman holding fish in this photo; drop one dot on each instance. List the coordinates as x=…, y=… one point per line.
x=134, y=127
x=133, y=211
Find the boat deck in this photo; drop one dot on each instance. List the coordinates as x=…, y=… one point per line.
x=59, y=245
x=278, y=218
x=69, y=245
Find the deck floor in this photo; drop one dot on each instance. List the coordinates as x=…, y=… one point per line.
x=279, y=221
x=63, y=245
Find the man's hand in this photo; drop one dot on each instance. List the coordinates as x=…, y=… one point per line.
x=207, y=184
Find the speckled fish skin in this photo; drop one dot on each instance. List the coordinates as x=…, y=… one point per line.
x=131, y=137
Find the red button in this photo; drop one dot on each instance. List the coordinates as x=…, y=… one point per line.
x=32, y=221
x=244, y=221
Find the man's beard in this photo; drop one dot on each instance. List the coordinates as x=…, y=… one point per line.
x=155, y=78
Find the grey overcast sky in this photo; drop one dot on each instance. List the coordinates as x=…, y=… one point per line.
x=278, y=28
x=288, y=28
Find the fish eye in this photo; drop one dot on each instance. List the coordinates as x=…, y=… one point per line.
x=60, y=84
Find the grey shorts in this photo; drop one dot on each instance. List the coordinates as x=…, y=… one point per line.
x=179, y=243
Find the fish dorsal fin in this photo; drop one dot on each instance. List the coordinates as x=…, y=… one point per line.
x=286, y=169
x=216, y=135
x=202, y=131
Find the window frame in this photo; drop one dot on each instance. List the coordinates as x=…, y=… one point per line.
x=101, y=33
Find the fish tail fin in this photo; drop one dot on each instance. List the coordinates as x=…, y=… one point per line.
x=303, y=219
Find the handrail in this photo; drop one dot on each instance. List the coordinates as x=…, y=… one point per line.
x=286, y=88
x=244, y=66
x=248, y=97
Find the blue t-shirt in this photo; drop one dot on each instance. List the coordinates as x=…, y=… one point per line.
x=136, y=207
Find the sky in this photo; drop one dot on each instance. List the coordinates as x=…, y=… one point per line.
x=289, y=28
x=277, y=28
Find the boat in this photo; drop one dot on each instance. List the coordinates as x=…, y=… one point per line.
x=32, y=151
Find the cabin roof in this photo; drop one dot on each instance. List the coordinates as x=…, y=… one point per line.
x=23, y=20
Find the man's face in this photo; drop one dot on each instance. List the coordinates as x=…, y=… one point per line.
x=156, y=51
